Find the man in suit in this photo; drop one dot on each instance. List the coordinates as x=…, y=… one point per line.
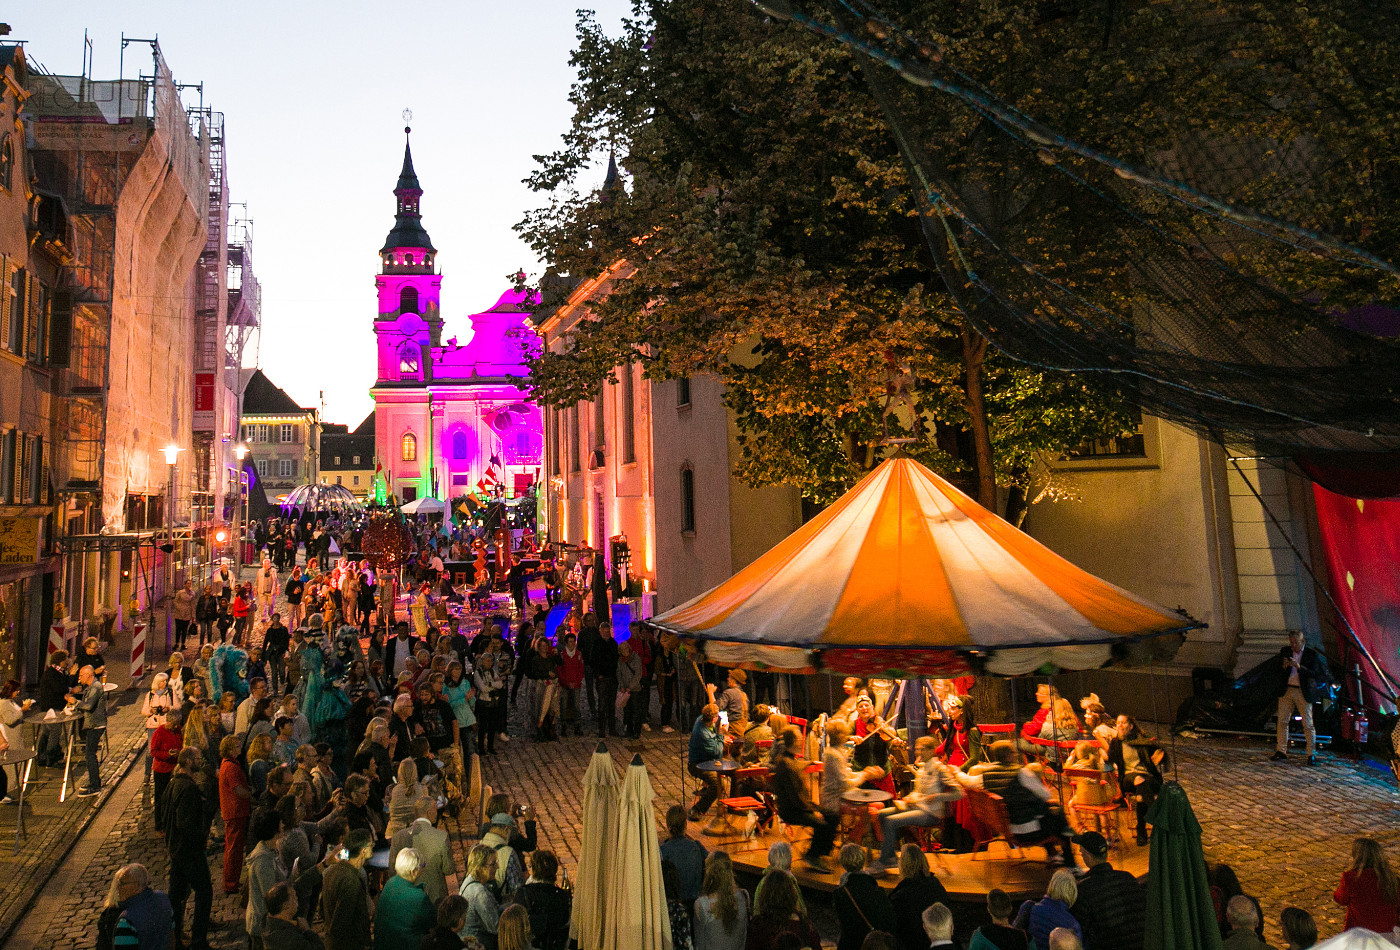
x=1304, y=676
x=400, y=647
x=432, y=846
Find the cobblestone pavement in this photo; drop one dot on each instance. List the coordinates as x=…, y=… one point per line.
x=1285, y=828
x=53, y=827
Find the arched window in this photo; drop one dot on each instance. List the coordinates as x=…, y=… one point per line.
x=7, y=162
x=408, y=448
x=408, y=359
x=461, y=445
x=408, y=299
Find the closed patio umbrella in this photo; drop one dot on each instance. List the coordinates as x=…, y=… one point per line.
x=638, y=919
x=592, y=884
x=1180, y=914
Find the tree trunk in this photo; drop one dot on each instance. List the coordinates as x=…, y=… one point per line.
x=974, y=353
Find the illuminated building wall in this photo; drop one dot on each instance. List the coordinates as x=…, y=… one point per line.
x=452, y=416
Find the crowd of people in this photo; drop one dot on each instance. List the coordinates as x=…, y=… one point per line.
x=326, y=725
x=1056, y=757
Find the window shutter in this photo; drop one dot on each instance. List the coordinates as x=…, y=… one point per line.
x=43, y=454
x=5, y=292
x=26, y=483
x=36, y=306
x=60, y=328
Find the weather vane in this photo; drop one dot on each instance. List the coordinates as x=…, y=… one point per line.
x=407, y=116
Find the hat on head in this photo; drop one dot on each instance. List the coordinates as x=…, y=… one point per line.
x=500, y=820
x=739, y=676
x=1092, y=843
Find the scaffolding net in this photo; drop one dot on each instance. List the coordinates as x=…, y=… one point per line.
x=1181, y=197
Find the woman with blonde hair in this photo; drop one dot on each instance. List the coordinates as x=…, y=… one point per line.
x=406, y=791
x=1369, y=890
x=1088, y=755
x=483, y=913
x=722, y=909
x=513, y=929
x=1039, y=918
x=160, y=699
x=260, y=761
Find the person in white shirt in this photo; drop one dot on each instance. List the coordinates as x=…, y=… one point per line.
x=924, y=806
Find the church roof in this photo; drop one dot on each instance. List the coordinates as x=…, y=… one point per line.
x=262, y=398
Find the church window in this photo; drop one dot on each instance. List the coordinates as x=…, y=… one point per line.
x=409, y=447
x=408, y=359
x=461, y=447
x=7, y=163
x=408, y=300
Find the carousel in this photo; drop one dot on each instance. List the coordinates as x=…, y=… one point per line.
x=315, y=502
x=910, y=585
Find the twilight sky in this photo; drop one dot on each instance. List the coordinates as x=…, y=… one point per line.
x=312, y=92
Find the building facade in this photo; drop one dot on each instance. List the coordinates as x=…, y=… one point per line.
x=347, y=458
x=1167, y=516
x=34, y=245
x=599, y=453
x=283, y=439
x=453, y=416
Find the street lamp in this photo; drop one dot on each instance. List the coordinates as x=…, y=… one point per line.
x=171, y=451
x=241, y=452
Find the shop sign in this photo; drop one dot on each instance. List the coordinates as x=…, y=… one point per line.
x=19, y=540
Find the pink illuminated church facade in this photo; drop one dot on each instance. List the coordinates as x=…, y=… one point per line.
x=451, y=416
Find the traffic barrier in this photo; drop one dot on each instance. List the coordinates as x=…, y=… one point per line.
x=138, y=651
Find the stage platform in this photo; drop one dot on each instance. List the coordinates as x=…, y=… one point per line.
x=1021, y=875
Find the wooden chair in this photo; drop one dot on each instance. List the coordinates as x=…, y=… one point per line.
x=801, y=724
x=758, y=777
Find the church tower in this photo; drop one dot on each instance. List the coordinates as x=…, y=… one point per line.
x=409, y=321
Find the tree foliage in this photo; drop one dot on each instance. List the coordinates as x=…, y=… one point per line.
x=773, y=234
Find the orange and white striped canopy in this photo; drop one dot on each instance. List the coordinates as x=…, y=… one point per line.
x=906, y=573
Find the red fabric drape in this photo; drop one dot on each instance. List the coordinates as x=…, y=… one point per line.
x=1361, y=539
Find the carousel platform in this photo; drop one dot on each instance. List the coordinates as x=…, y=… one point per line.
x=967, y=877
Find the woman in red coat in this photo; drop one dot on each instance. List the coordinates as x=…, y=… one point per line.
x=166, y=743
x=240, y=615
x=1369, y=890
x=235, y=804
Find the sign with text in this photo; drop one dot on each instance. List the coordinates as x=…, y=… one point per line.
x=19, y=540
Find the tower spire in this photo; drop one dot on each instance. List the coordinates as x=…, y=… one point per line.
x=408, y=229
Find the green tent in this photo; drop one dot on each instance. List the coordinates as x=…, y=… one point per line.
x=1180, y=913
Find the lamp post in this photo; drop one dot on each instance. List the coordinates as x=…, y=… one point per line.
x=171, y=451
x=241, y=451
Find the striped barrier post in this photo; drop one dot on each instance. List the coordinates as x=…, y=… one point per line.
x=58, y=639
x=138, y=651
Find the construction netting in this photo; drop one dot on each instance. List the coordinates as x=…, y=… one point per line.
x=1195, y=215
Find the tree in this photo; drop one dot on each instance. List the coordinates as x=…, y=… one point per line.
x=777, y=237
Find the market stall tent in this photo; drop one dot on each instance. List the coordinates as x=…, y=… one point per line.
x=905, y=575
